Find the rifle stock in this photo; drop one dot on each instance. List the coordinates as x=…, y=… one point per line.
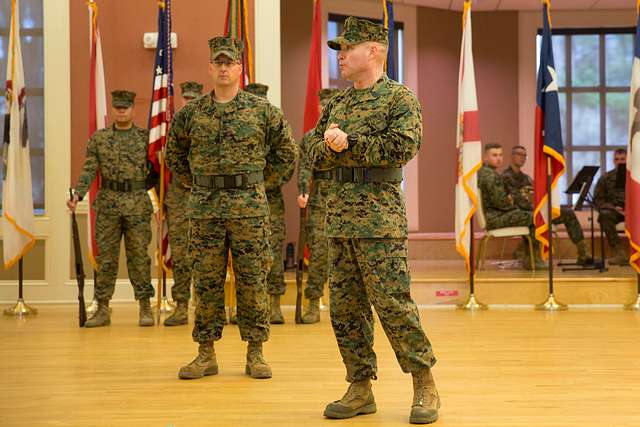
x=302, y=241
x=82, y=311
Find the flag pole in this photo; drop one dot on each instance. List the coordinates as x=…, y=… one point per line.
x=550, y=304
x=471, y=303
x=635, y=306
x=20, y=308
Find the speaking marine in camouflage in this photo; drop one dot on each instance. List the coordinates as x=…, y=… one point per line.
x=519, y=186
x=498, y=206
x=178, y=222
x=220, y=144
x=275, y=176
x=609, y=200
x=123, y=208
x=367, y=133
x=313, y=186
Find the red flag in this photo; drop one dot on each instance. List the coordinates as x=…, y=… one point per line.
x=314, y=74
x=97, y=116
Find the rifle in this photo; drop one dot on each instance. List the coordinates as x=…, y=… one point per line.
x=302, y=241
x=82, y=312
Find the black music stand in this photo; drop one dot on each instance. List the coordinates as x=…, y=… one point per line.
x=581, y=185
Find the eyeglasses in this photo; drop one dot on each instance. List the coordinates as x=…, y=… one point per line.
x=520, y=154
x=221, y=62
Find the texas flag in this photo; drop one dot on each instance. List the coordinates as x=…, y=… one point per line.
x=549, y=153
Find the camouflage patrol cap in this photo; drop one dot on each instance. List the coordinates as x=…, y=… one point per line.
x=257, y=89
x=326, y=94
x=191, y=89
x=358, y=30
x=228, y=46
x=122, y=98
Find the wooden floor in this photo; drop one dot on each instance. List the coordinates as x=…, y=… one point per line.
x=496, y=368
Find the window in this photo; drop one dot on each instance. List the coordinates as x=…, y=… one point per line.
x=32, y=43
x=594, y=72
x=335, y=26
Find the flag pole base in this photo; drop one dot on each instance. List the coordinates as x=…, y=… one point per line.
x=166, y=306
x=472, y=304
x=634, y=306
x=552, y=305
x=20, y=309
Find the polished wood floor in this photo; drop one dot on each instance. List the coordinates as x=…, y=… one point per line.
x=496, y=368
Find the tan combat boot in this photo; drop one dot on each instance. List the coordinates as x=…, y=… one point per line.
x=583, y=257
x=180, y=316
x=620, y=257
x=313, y=312
x=204, y=364
x=101, y=317
x=426, y=401
x=276, y=316
x=357, y=400
x=256, y=365
x=146, y=317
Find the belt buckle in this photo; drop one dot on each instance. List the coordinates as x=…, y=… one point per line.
x=126, y=186
x=358, y=175
x=229, y=181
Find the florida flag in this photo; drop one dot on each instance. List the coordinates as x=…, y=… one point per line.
x=632, y=196
x=468, y=142
x=549, y=154
x=17, y=198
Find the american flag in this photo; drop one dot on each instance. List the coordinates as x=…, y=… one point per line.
x=160, y=115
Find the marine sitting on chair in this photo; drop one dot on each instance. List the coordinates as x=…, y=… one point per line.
x=519, y=186
x=498, y=206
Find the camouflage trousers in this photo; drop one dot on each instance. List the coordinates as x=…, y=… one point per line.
x=318, y=246
x=513, y=218
x=571, y=223
x=210, y=241
x=178, y=222
x=275, y=278
x=366, y=272
x=137, y=235
x=608, y=219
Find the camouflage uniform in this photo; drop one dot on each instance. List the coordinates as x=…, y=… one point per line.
x=499, y=210
x=275, y=178
x=366, y=224
x=222, y=150
x=121, y=158
x=607, y=197
x=315, y=182
x=519, y=185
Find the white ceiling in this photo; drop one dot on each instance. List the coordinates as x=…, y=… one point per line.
x=491, y=5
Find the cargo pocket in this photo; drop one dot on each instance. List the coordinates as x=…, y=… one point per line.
x=397, y=270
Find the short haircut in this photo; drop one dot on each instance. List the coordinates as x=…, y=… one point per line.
x=491, y=146
x=621, y=151
x=518, y=147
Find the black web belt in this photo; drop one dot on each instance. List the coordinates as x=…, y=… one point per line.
x=323, y=174
x=367, y=175
x=125, y=186
x=220, y=182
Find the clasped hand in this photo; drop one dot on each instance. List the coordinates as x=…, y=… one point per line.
x=335, y=138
